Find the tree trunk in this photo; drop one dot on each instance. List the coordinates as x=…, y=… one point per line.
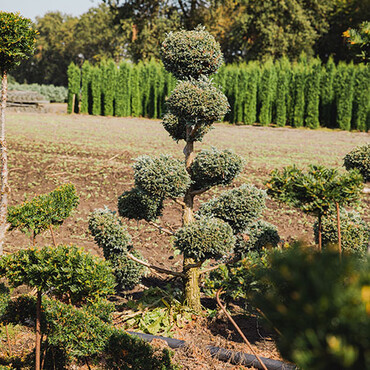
x=38, y=330
x=4, y=166
x=338, y=229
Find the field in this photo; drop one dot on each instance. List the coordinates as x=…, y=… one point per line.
x=96, y=154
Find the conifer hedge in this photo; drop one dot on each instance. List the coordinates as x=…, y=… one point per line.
x=305, y=93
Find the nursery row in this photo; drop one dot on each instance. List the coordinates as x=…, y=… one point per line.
x=57, y=94
x=304, y=93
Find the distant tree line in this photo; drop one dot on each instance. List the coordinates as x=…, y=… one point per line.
x=305, y=93
x=246, y=29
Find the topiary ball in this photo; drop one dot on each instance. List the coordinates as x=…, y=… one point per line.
x=359, y=158
x=191, y=53
x=205, y=238
x=256, y=236
x=355, y=233
x=161, y=177
x=197, y=102
x=238, y=207
x=215, y=167
x=138, y=205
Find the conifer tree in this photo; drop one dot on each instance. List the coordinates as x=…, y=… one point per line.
x=86, y=88
x=327, y=94
x=123, y=90
x=74, y=81
x=361, y=109
x=108, y=79
x=250, y=106
x=299, y=71
x=96, y=91
x=267, y=92
x=313, y=94
x=282, y=89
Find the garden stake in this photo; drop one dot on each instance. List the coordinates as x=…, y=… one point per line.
x=339, y=233
x=238, y=329
x=38, y=330
x=320, y=231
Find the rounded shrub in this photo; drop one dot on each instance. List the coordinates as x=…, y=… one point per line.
x=238, y=207
x=138, y=205
x=205, y=238
x=359, y=158
x=258, y=235
x=191, y=53
x=198, y=102
x=215, y=167
x=355, y=233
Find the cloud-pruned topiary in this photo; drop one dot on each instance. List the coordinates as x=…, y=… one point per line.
x=205, y=238
x=138, y=205
x=191, y=54
x=238, y=207
x=215, y=167
x=355, y=233
x=110, y=235
x=359, y=158
x=161, y=177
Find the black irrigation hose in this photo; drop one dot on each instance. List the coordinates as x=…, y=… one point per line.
x=236, y=358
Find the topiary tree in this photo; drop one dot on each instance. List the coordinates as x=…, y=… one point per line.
x=17, y=42
x=195, y=104
x=359, y=158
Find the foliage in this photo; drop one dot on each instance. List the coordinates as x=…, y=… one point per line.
x=355, y=233
x=321, y=306
x=191, y=54
x=108, y=75
x=161, y=177
x=267, y=92
x=327, y=96
x=43, y=211
x=17, y=40
x=313, y=94
x=65, y=271
x=57, y=94
x=360, y=115
x=74, y=77
x=205, y=238
x=238, y=207
x=96, y=91
x=4, y=298
x=110, y=234
x=85, y=88
x=215, y=167
x=138, y=205
x=359, y=158
x=360, y=38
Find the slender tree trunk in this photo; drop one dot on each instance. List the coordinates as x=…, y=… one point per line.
x=320, y=233
x=38, y=330
x=4, y=166
x=339, y=233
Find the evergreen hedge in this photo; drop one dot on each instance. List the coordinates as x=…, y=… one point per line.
x=300, y=94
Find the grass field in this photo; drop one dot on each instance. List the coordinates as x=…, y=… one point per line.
x=96, y=154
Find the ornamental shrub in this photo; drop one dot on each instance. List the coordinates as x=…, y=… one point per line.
x=86, y=88
x=238, y=207
x=215, y=167
x=204, y=239
x=320, y=305
x=361, y=105
x=327, y=96
x=96, y=90
x=313, y=94
x=359, y=158
x=74, y=80
x=355, y=233
x=267, y=93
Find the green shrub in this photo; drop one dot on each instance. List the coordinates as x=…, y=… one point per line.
x=313, y=94
x=321, y=307
x=204, y=239
x=4, y=298
x=161, y=177
x=215, y=167
x=238, y=207
x=298, y=91
x=96, y=82
x=359, y=158
x=361, y=104
x=267, y=93
x=355, y=233
x=108, y=75
x=74, y=81
x=86, y=88
x=57, y=94
x=282, y=91
x=123, y=90
x=250, y=106
x=327, y=95
x=191, y=54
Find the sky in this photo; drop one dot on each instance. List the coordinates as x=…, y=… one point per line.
x=33, y=8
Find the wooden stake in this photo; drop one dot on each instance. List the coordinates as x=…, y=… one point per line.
x=52, y=235
x=38, y=331
x=339, y=232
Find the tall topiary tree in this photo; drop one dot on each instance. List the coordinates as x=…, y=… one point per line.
x=74, y=83
x=313, y=94
x=195, y=103
x=17, y=42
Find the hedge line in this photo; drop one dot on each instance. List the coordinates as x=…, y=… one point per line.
x=53, y=93
x=299, y=94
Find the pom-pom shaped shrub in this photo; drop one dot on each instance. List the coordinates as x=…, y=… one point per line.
x=359, y=158
x=177, y=128
x=238, y=207
x=205, y=238
x=161, y=177
x=138, y=205
x=198, y=102
x=191, y=53
x=257, y=235
x=321, y=307
x=110, y=235
x=215, y=167
x=43, y=211
x=355, y=233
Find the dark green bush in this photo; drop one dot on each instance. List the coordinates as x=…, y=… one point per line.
x=321, y=306
x=74, y=79
x=191, y=53
x=138, y=205
x=161, y=177
x=205, y=238
x=4, y=298
x=215, y=167
x=359, y=158
x=238, y=207
x=355, y=233
x=257, y=235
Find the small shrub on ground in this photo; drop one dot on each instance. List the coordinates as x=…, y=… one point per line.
x=359, y=158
